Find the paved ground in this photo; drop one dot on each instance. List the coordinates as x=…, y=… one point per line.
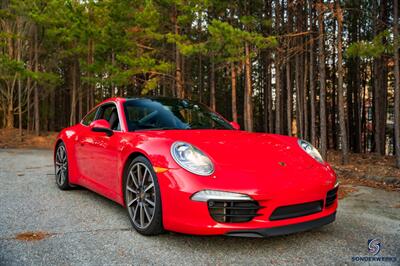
x=85, y=228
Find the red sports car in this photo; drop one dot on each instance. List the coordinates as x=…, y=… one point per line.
x=176, y=165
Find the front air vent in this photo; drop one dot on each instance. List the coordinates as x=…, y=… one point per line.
x=298, y=210
x=233, y=211
x=331, y=197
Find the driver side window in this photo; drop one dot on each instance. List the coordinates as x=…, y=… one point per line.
x=90, y=117
x=109, y=112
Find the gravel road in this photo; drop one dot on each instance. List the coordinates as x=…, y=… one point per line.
x=79, y=227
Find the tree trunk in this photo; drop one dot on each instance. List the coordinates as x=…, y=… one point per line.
x=92, y=87
x=80, y=105
x=10, y=114
x=299, y=106
x=36, y=88
x=19, y=96
x=72, y=119
x=305, y=102
x=178, y=63
x=233, y=82
x=112, y=83
x=289, y=88
x=333, y=136
x=289, y=97
x=52, y=108
x=268, y=112
x=353, y=85
x=321, y=55
x=278, y=87
x=397, y=83
x=212, y=86
x=311, y=78
x=200, y=78
x=312, y=100
x=380, y=86
x=28, y=108
x=28, y=93
x=342, y=121
x=248, y=105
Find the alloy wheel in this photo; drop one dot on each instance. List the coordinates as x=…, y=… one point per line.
x=61, y=165
x=140, y=195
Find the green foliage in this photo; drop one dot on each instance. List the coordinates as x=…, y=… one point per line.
x=228, y=41
x=368, y=49
x=150, y=85
x=128, y=38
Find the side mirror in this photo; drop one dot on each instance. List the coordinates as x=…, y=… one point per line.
x=235, y=125
x=101, y=125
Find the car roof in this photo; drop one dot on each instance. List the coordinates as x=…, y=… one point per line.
x=155, y=98
x=124, y=99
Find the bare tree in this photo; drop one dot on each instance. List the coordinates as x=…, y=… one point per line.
x=212, y=86
x=397, y=82
x=322, y=75
x=311, y=77
x=178, y=59
x=278, y=87
x=233, y=84
x=342, y=122
x=36, y=86
x=248, y=104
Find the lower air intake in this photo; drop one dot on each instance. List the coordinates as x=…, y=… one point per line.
x=233, y=211
x=298, y=210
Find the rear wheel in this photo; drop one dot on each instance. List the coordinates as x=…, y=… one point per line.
x=143, y=197
x=61, y=167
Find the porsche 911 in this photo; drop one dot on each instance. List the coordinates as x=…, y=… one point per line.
x=175, y=165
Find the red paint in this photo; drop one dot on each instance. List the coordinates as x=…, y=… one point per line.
x=245, y=162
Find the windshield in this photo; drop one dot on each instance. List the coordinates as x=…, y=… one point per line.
x=164, y=113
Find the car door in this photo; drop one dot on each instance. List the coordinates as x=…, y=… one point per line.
x=100, y=153
x=83, y=139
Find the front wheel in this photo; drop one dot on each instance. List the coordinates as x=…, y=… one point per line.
x=61, y=167
x=143, y=197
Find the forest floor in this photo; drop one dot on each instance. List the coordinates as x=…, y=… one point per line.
x=364, y=169
x=9, y=139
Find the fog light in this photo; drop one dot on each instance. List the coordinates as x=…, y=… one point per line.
x=206, y=195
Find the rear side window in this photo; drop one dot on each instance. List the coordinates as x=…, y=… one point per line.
x=89, y=118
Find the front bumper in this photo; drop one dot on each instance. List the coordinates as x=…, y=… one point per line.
x=284, y=230
x=183, y=215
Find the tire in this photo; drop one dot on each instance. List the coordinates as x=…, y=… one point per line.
x=61, y=167
x=142, y=197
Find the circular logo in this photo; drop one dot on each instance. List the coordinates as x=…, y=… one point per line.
x=374, y=246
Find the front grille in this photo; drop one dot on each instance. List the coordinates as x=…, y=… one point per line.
x=331, y=197
x=298, y=210
x=233, y=211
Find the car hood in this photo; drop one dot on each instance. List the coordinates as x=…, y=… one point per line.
x=258, y=163
x=242, y=149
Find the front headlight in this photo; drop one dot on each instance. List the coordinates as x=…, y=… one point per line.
x=191, y=158
x=310, y=150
